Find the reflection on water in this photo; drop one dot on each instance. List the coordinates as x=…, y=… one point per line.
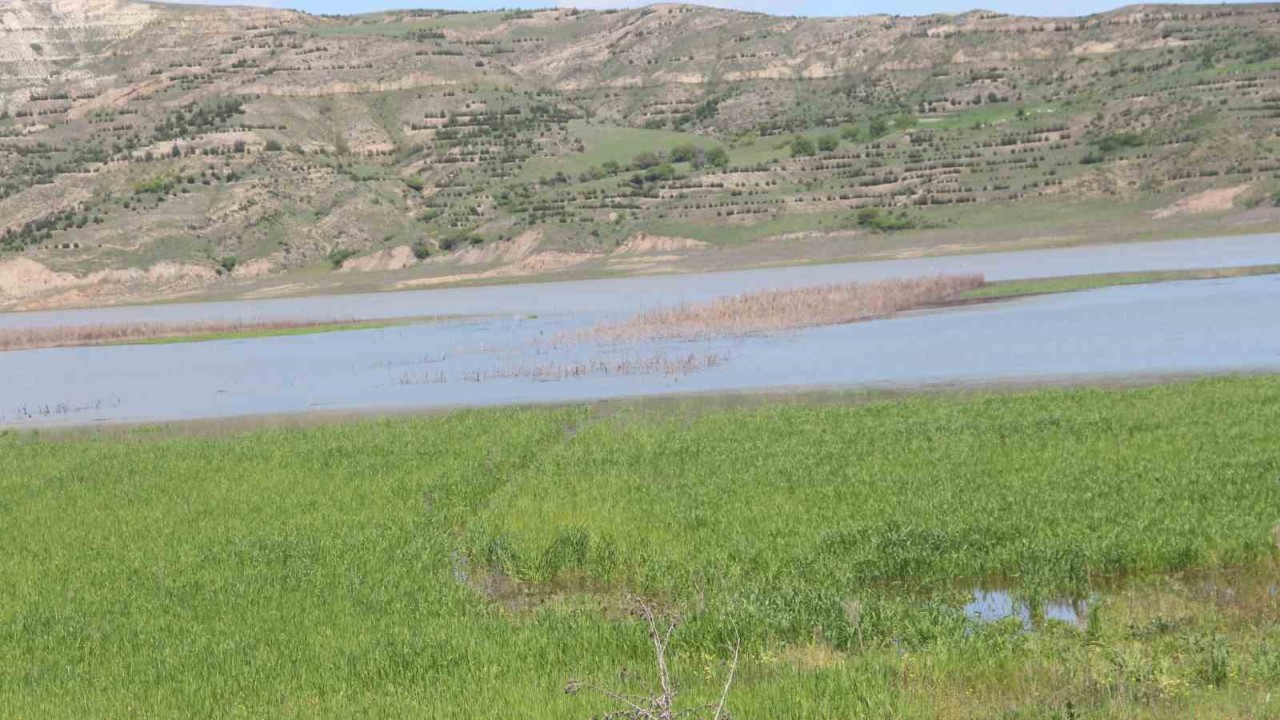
x=992, y=605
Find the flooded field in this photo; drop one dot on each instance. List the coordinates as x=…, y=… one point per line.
x=627, y=295
x=510, y=347
x=1210, y=326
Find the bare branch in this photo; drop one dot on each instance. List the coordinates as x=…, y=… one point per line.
x=616, y=697
x=662, y=705
x=733, y=668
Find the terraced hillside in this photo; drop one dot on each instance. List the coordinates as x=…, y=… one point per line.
x=160, y=149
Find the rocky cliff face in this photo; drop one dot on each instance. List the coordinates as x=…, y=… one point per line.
x=41, y=39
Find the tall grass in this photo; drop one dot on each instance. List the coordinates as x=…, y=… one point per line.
x=772, y=520
x=340, y=571
x=789, y=309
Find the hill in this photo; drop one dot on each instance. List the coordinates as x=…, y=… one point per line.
x=150, y=149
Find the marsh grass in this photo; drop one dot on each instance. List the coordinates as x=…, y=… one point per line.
x=153, y=333
x=790, y=309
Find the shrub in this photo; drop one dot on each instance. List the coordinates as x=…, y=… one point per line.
x=340, y=256
x=717, y=157
x=685, y=153
x=228, y=263
x=802, y=147
x=273, y=146
x=421, y=250
x=828, y=143
x=871, y=218
x=1119, y=141
x=157, y=185
x=458, y=239
x=645, y=160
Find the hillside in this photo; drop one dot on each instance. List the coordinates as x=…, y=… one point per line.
x=157, y=150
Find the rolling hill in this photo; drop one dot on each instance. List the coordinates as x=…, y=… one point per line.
x=152, y=150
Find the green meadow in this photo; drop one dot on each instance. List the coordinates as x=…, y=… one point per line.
x=469, y=565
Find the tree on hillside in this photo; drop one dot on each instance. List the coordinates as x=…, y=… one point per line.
x=802, y=147
x=646, y=160
x=685, y=153
x=717, y=157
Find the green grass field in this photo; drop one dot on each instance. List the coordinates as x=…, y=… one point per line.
x=467, y=565
x=604, y=143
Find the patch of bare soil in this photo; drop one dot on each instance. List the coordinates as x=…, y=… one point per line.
x=26, y=284
x=396, y=258
x=648, y=263
x=518, y=248
x=255, y=268
x=278, y=291
x=641, y=243
x=811, y=234
x=1215, y=200
x=21, y=277
x=538, y=263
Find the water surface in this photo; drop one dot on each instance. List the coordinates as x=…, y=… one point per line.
x=1204, y=326
x=635, y=293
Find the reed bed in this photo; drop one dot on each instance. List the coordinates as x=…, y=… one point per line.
x=791, y=309
x=80, y=335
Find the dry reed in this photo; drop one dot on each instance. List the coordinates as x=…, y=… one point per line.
x=774, y=310
x=69, y=336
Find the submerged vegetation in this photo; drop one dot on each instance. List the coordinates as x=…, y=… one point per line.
x=469, y=565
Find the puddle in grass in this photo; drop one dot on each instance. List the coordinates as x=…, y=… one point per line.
x=993, y=605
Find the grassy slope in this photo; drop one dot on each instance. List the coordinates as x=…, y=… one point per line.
x=313, y=572
x=606, y=142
